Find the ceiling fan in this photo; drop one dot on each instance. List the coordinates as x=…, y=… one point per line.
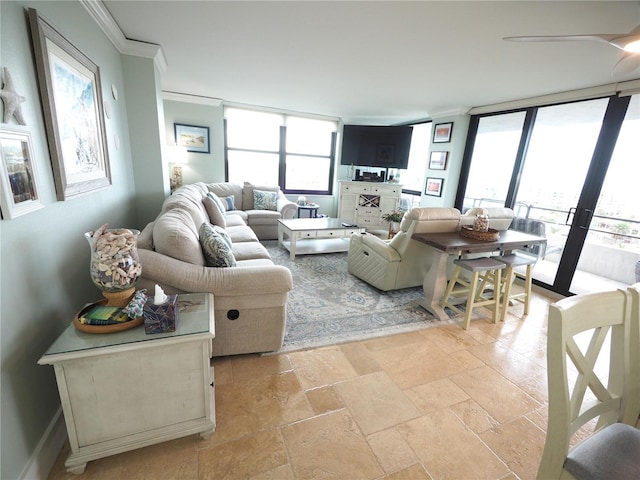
x=629, y=43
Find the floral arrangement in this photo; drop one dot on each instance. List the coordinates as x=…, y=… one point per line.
x=395, y=216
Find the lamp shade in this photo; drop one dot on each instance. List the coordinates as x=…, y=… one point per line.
x=177, y=154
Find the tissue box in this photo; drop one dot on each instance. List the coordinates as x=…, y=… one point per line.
x=161, y=318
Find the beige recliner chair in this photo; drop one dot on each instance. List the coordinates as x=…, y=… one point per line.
x=400, y=262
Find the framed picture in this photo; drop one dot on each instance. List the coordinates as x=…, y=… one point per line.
x=71, y=95
x=195, y=138
x=438, y=160
x=442, y=132
x=433, y=186
x=19, y=182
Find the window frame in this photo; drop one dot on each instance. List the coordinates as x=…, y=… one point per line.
x=282, y=152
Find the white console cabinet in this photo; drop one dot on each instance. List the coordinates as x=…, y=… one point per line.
x=364, y=203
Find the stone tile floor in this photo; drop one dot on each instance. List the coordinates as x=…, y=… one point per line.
x=441, y=403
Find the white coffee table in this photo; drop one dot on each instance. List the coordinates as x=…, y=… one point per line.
x=315, y=235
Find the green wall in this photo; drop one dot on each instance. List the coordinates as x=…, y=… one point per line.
x=201, y=167
x=44, y=259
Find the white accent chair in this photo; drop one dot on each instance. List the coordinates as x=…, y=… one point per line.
x=578, y=396
x=500, y=218
x=400, y=262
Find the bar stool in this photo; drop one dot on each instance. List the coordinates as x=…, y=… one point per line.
x=491, y=277
x=511, y=262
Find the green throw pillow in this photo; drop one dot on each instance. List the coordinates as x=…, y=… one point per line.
x=216, y=249
x=263, y=200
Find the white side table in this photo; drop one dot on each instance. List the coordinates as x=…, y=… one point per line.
x=126, y=390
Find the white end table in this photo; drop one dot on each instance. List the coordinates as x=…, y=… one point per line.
x=126, y=390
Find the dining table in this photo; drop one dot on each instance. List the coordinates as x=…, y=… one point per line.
x=453, y=243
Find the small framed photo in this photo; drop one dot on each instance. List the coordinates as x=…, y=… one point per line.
x=195, y=138
x=433, y=186
x=18, y=185
x=438, y=160
x=442, y=132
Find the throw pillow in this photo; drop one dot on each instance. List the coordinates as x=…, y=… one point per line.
x=223, y=233
x=264, y=200
x=229, y=203
x=216, y=216
x=219, y=202
x=216, y=250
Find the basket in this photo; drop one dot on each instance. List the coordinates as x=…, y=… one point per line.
x=488, y=236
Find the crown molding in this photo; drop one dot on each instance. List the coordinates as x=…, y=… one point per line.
x=124, y=45
x=452, y=112
x=186, y=98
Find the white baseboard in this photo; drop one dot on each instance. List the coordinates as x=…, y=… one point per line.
x=47, y=450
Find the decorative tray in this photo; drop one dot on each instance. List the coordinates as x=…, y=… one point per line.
x=103, y=328
x=488, y=236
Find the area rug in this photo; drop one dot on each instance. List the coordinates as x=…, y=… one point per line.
x=330, y=306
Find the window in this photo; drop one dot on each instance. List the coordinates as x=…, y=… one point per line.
x=294, y=152
x=412, y=179
x=494, y=156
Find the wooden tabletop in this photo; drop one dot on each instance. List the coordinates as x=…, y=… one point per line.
x=455, y=243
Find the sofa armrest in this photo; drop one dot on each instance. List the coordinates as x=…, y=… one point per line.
x=286, y=207
x=377, y=245
x=178, y=276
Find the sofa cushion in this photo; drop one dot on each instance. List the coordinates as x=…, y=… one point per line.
x=247, y=194
x=215, y=247
x=242, y=233
x=262, y=217
x=264, y=200
x=214, y=209
x=225, y=189
x=175, y=235
x=236, y=218
x=250, y=250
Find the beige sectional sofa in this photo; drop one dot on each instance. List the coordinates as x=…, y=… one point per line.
x=250, y=297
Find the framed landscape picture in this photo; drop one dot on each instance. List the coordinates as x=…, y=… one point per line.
x=438, y=160
x=442, y=132
x=19, y=180
x=71, y=95
x=195, y=138
x=433, y=186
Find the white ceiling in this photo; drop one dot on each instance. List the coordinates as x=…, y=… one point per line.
x=380, y=62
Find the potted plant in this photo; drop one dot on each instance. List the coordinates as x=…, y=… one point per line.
x=394, y=218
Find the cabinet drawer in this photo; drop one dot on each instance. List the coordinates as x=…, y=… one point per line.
x=339, y=233
x=356, y=188
x=385, y=190
x=306, y=234
x=368, y=221
x=369, y=212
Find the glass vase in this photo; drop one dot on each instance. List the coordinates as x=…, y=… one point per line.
x=114, y=266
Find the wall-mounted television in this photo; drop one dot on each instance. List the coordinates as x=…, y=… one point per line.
x=376, y=146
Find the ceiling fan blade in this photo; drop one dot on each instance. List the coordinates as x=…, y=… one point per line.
x=629, y=63
x=594, y=37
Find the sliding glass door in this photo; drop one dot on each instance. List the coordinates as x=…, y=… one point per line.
x=553, y=164
x=611, y=249
x=554, y=172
